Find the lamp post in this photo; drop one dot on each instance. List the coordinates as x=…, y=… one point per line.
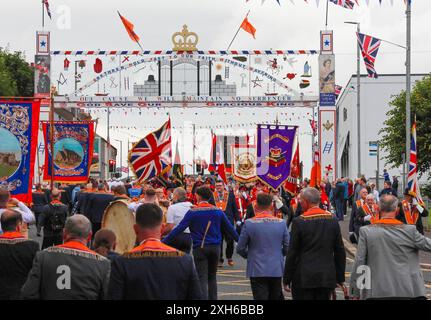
x=358, y=98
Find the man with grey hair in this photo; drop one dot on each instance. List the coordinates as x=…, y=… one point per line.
x=70, y=271
x=175, y=214
x=316, y=259
x=387, y=259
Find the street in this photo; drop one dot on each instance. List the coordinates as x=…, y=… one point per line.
x=233, y=284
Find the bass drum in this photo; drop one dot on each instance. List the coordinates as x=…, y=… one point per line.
x=119, y=218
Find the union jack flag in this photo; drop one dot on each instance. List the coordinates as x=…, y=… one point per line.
x=348, y=4
x=369, y=48
x=412, y=179
x=152, y=155
x=46, y=3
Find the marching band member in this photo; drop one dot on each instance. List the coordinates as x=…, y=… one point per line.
x=206, y=223
x=16, y=255
x=153, y=270
x=88, y=271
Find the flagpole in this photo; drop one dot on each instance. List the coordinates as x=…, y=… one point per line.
x=236, y=32
x=136, y=40
x=43, y=15
x=327, y=14
x=408, y=88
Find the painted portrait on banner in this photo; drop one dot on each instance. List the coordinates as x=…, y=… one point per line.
x=42, y=76
x=327, y=80
x=73, y=151
x=18, y=136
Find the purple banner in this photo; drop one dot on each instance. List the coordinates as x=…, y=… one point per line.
x=274, y=153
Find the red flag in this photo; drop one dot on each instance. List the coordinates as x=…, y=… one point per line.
x=295, y=167
x=248, y=27
x=295, y=171
x=213, y=157
x=129, y=28
x=316, y=171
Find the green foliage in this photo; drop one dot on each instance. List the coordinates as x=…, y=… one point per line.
x=16, y=75
x=393, y=134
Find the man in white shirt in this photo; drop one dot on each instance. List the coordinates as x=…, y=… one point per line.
x=175, y=214
x=6, y=200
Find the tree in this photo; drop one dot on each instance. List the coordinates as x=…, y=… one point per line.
x=393, y=139
x=16, y=75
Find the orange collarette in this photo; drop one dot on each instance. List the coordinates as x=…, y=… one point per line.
x=390, y=221
x=56, y=202
x=263, y=215
x=153, y=245
x=12, y=235
x=315, y=211
x=75, y=245
x=204, y=205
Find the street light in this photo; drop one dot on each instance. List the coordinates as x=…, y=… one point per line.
x=358, y=99
x=121, y=156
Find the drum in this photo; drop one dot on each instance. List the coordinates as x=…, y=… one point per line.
x=120, y=219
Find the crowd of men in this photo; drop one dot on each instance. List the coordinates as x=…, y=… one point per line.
x=186, y=230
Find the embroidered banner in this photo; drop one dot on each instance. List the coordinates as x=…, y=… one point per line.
x=73, y=151
x=274, y=153
x=244, y=162
x=18, y=143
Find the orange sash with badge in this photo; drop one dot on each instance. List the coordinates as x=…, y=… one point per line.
x=374, y=213
x=221, y=203
x=411, y=216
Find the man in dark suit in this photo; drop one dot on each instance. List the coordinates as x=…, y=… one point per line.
x=316, y=259
x=70, y=271
x=225, y=201
x=82, y=198
x=96, y=205
x=153, y=270
x=16, y=255
x=39, y=201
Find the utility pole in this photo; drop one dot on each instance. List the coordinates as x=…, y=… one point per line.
x=408, y=89
x=358, y=98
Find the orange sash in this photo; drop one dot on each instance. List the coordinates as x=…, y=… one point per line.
x=374, y=214
x=411, y=216
x=221, y=203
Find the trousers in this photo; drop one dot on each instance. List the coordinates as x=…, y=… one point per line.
x=206, y=262
x=266, y=288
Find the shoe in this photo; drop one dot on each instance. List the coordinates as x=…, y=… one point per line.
x=220, y=264
x=230, y=263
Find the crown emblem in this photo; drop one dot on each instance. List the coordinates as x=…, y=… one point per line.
x=275, y=152
x=185, y=40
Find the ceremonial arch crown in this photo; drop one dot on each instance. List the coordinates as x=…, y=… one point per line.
x=185, y=40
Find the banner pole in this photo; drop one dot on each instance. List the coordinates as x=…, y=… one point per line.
x=51, y=136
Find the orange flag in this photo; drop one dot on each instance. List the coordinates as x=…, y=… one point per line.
x=129, y=28
x=247, y=26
